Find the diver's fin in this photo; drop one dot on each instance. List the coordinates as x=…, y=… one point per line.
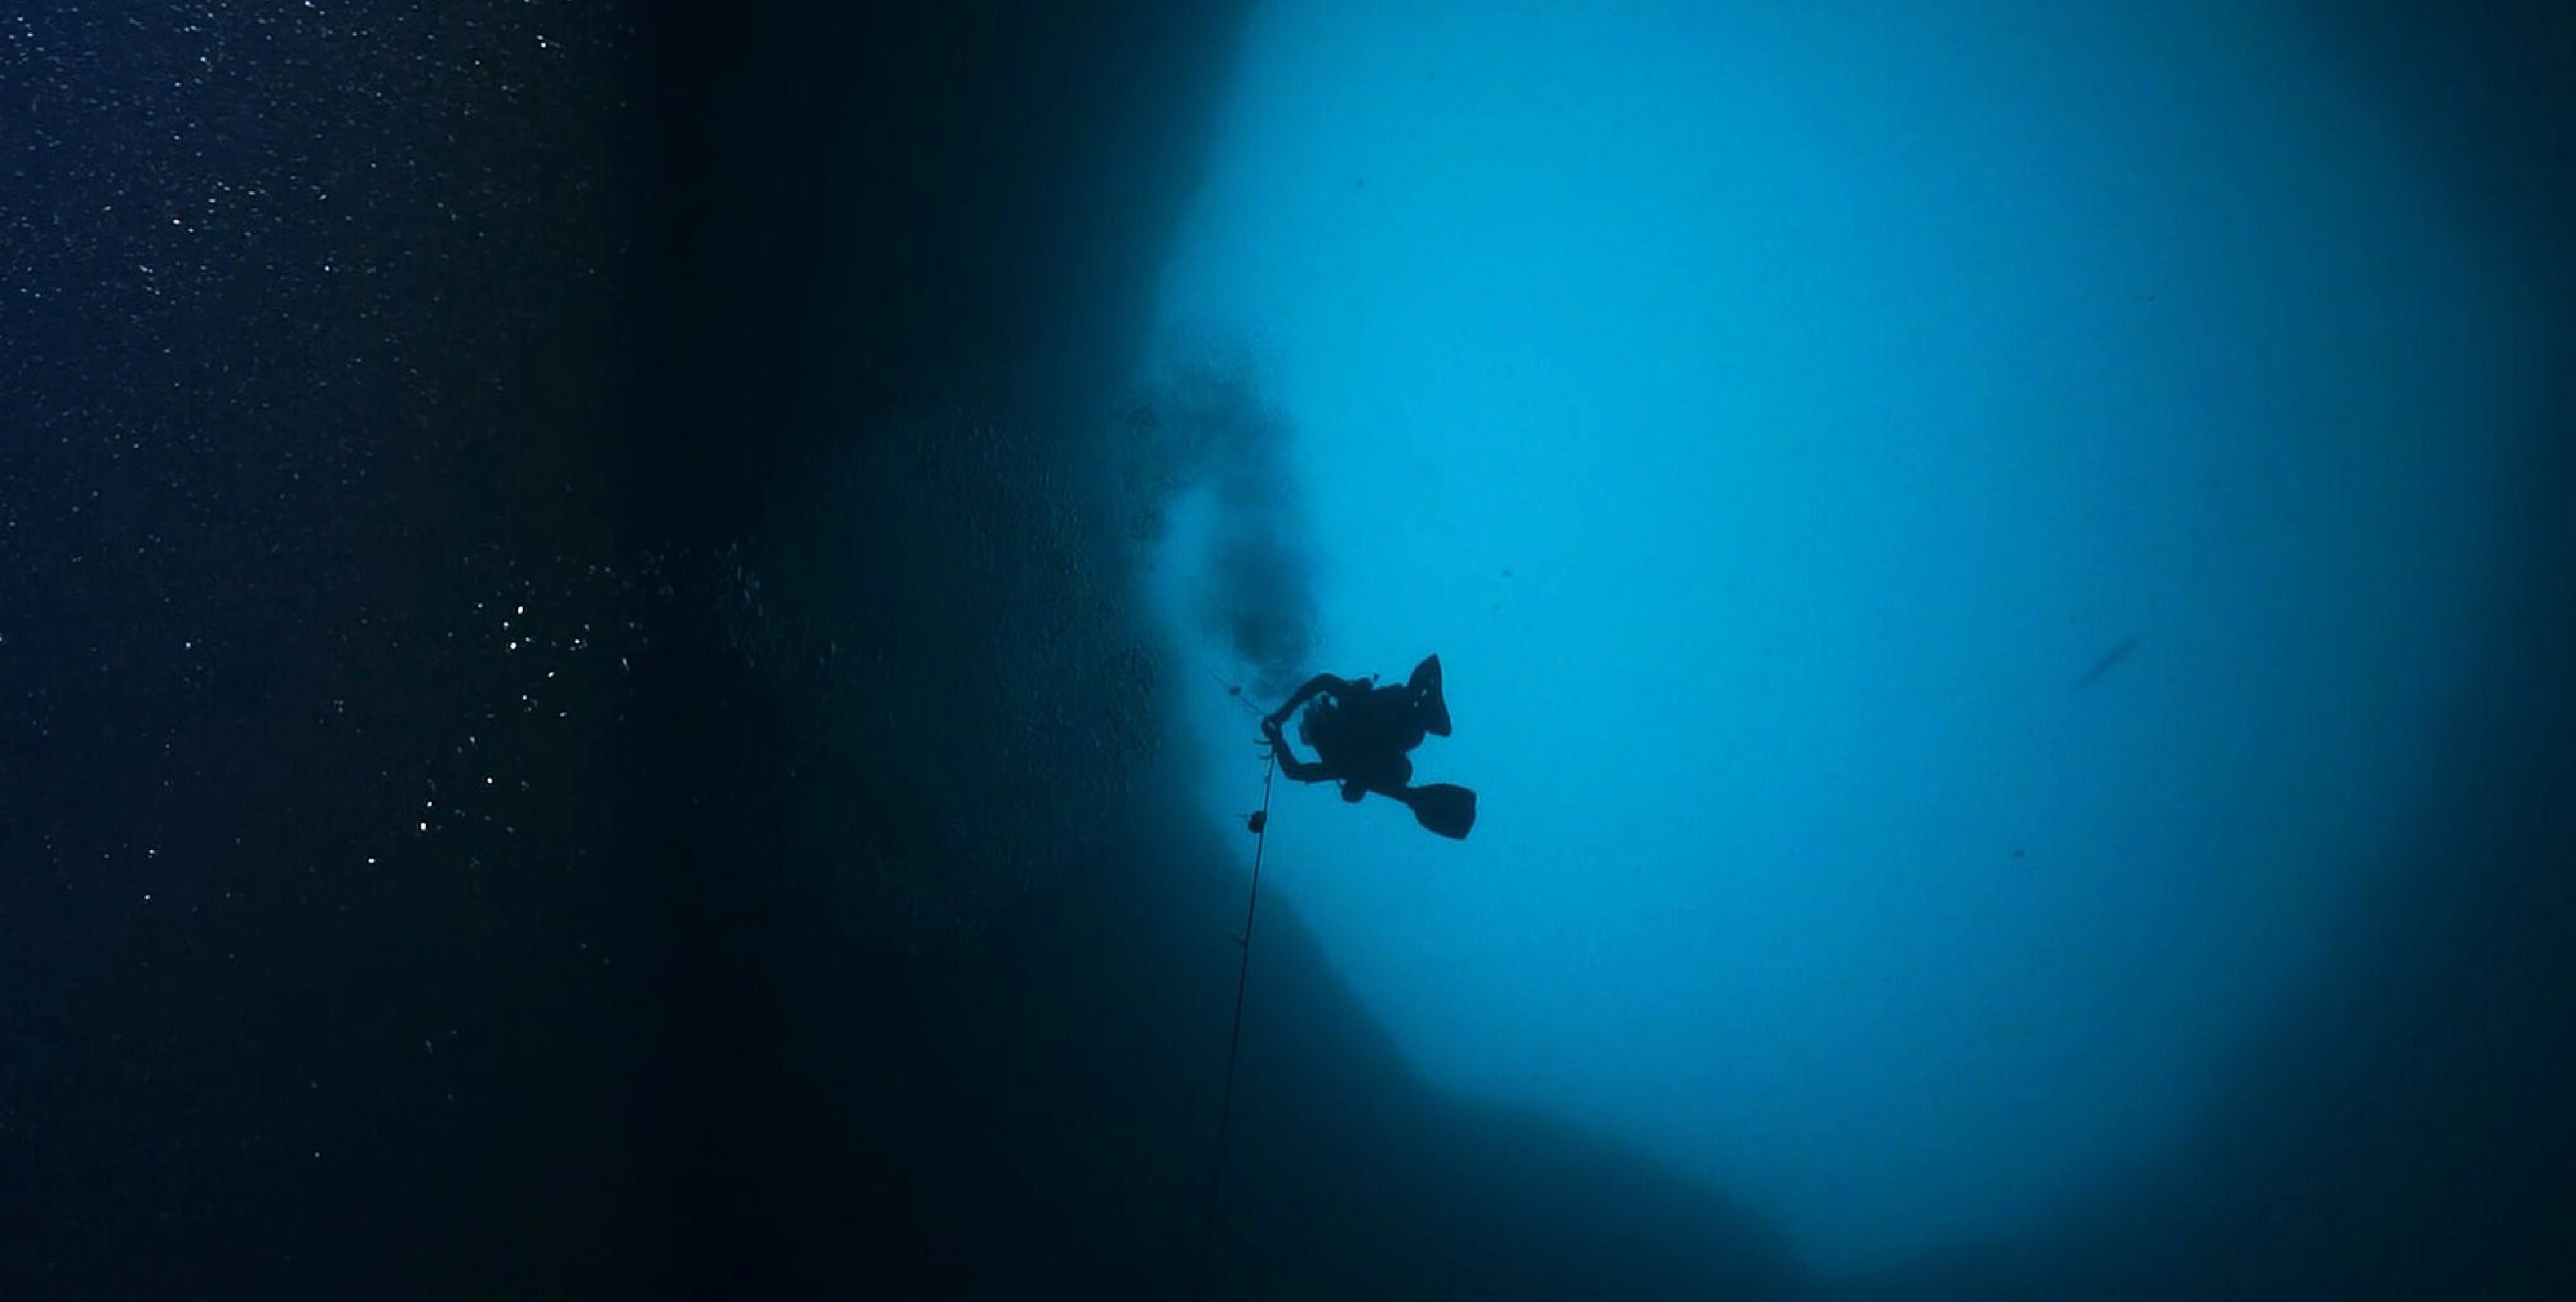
x=1425, y=686
x=1443, y=808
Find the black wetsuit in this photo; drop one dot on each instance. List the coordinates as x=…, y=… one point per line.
x=1361, y=735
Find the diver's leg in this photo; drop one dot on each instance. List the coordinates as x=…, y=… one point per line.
x=1430, y=705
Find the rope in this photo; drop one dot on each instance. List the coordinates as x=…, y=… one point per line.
x=1234, y=1040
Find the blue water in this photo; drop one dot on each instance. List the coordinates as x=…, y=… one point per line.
x=1948, y=531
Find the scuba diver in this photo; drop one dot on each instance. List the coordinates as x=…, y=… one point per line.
x=1361, y=732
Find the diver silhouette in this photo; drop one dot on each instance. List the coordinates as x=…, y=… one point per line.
x=1361, y=732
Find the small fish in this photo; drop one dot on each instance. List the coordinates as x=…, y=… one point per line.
x=2110, y=660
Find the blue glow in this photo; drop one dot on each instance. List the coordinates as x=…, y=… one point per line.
x=1773, y=418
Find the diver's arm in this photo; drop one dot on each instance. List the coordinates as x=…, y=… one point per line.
x=1296, y=769
x=1314, y=685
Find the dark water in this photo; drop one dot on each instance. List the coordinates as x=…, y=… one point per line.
x=573, y=721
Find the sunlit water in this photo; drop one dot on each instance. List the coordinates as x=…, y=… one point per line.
x=1773, y=420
